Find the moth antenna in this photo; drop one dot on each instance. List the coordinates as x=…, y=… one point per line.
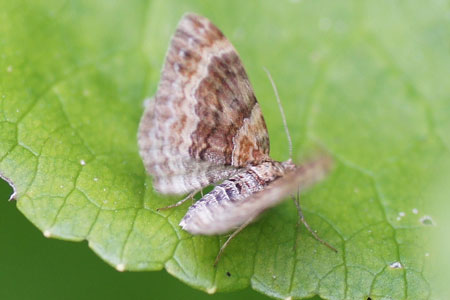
x=283, y=116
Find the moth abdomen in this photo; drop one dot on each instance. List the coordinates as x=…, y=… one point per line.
x=203, y=217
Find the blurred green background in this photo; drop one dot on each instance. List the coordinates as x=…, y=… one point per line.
x=33, y=267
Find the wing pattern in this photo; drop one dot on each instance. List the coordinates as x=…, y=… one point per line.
x=204, y=123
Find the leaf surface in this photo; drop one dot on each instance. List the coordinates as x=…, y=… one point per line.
x=366, y=81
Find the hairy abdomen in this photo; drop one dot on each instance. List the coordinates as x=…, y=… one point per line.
x=201, y=216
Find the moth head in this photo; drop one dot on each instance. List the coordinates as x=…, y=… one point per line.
x=288, y=165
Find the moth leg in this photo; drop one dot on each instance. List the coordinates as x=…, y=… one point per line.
x=302, y=219
x=222, y=249
x=190, y=196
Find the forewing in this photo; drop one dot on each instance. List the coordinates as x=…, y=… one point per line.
x=205, y=121
x=217, y=218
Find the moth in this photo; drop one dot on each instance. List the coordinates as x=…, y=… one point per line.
x=204, y=126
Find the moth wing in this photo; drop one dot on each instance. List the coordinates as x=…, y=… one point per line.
x=205, y=122
x=218, y=218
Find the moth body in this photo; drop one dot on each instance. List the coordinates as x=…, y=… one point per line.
x=205, y=126
x=201, y=217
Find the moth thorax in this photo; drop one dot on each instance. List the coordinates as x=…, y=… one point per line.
x=268, y=171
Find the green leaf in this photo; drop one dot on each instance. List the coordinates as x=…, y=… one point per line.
x=367, y=81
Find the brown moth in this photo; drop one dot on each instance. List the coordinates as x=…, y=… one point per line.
x=205, y=126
